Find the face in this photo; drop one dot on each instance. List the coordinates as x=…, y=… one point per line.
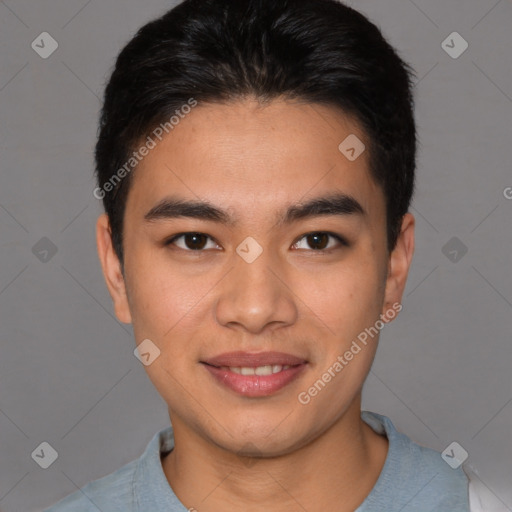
x=254, y=298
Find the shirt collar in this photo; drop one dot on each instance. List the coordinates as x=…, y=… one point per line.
x=152, y=491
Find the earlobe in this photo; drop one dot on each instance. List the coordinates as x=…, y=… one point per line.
x=399, y=264
x=112, y=271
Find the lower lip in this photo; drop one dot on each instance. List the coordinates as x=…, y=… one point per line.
x=255, y=385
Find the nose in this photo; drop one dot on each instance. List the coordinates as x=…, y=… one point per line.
x=256, y=296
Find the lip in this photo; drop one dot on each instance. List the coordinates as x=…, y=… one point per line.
x=254, y=385
x=252, y=360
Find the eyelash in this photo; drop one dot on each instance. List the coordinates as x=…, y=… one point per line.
x=340, y=239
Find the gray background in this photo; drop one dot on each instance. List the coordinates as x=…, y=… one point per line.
x=68, y=375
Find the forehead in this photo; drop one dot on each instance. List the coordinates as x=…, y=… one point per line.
x=244, y=155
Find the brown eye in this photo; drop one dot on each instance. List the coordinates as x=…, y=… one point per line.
x=191, y=241
x=319, y=241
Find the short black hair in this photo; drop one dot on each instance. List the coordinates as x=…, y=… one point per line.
x=217, y=51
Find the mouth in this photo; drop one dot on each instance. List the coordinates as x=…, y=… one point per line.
x=255, y=375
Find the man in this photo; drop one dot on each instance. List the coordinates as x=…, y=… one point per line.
x=256, y=164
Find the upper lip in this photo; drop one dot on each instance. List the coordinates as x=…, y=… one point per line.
x=252, y=360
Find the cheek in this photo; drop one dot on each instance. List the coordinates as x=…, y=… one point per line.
x=350, y=306
x=347, y=298
x=160, y=296
x=163, y=303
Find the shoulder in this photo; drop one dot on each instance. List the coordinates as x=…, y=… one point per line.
x=416, y=477
x=111, y=493
x=139, y=482
x=450, y=485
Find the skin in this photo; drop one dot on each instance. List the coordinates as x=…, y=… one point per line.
x=240, y=453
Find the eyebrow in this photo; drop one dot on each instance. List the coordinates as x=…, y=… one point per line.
x=339, y=204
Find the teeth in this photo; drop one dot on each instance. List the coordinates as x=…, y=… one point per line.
x=263, y=370
x=260, y=370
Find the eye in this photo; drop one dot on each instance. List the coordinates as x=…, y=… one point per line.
x=319, y=240
x=191, y=241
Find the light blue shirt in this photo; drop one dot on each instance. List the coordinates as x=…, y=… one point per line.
x=413, y=479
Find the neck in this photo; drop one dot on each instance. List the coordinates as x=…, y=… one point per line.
x=340, y=466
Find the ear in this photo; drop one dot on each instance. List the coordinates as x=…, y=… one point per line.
x=399, y=263
x=112, y=269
